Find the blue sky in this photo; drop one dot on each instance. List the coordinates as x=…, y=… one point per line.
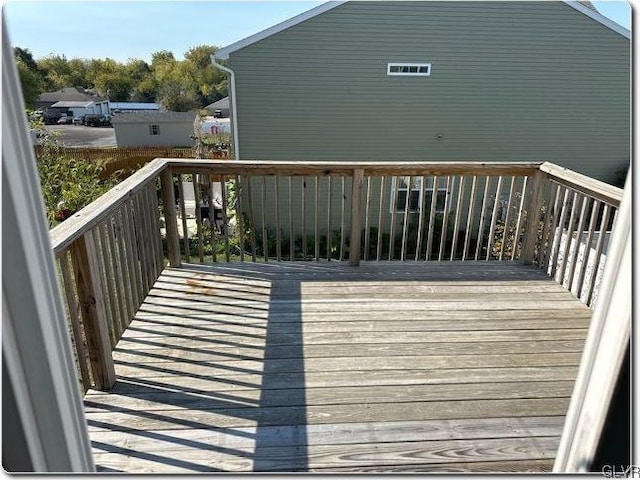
x=127, y=29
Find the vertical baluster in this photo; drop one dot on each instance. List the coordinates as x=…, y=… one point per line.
x=432, y=218
x=126, y=286
x=422, y=198
x=555, y=250
x=212, y=221
x=143, y=242
x=74, y=317
x=170, y=219
x=240, y=215
x=587, y=248
x=199, y=229
x=394, y=207
x=304, y=219
x=316, y=216
x=343, y=198
x=507, y=220
x=107, y=277
x=380, y=217
x=494, y=218
x=118, y=280
x=276, y=179
x=367, y=226
x=568, y=237
x=470, y=212
x=225, y=223
x=183, y=215
x=356, y=220
x=483, y=217
x=131, y=258
x=458, y=215
x=598, y=253
x=329, y=225
x=156, y=237
x=405, y=220
x=445, y=216
x=263, y=208
x=576, y=249
x=534, y=218
x=550, y=223
x=252, y=220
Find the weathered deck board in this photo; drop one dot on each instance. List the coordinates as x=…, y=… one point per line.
x=395, y=367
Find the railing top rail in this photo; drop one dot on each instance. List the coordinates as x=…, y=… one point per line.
x=258, y=167
x=582, y=183
x=63, y=235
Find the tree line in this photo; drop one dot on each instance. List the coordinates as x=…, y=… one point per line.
x=178, y=85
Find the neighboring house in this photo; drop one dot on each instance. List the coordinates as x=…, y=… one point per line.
x=437, y=81
x=152, y=128
x=219, y=109
x=72, y=99
x=117, y=107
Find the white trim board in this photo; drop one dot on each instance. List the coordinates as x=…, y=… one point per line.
x=223, y=53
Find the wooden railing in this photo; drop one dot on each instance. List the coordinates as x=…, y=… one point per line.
x=174, y=210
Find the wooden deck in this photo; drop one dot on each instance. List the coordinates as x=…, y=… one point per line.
x=424, y=367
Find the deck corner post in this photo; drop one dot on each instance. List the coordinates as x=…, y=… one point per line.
x=170, y=218
x=92, y=307
x=354, y=243
x=532, y=207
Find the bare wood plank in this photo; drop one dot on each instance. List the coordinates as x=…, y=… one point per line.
x=239, y=417
x=329, y=224
x=334, y=456
x=451, y=183
x=595, y=208
x=380, y=217
x=511, y=466
x=405, y=219
x=576, y=249
x=507, y=220
x=549, y=229
x=252, y=221
x=235, y=382
x=149, y=353
x=483, y=216
x=432, y=215
x=240, y=214
x=336, y=434
x=349, y=364
x=492, y=221
x=567, y=241
x=156, y=238
x=316, y=219
x=367, y=226
x=212, y=221
x=558, y=230
x=277, y=212
x=126, y=287
x=119, y=302
x=421, y=208
x=343, y=198
x=598, y=253
x=304, y=217
x=84, y=255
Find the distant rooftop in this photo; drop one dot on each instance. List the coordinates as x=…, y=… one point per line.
x=219, y=104
x=153, y=117
x=73, y=104
x=69, y=94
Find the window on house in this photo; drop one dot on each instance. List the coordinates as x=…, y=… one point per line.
x=423, y=69
x=420, y=194
x=154, y=129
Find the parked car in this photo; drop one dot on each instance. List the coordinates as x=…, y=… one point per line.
x=65, y=121
x=79, y=120
x=95, y=120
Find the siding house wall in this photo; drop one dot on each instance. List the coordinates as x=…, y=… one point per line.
x=510, y=81
x=138, y=135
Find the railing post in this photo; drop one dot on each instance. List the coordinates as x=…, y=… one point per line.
x=532, y=207
x=354, y=243
x=170, y=218
x=96, y=328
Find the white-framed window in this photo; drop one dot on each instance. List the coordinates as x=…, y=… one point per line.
x=420, y=194
x=409, y=68
x=154, y=129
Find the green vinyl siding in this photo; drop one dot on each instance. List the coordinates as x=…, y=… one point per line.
x=510, y=81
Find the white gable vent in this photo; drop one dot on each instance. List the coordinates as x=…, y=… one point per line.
x=409, y=68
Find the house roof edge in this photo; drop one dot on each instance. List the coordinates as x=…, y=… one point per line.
x=223, y=53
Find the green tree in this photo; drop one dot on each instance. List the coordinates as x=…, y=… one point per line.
x=31, y=78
